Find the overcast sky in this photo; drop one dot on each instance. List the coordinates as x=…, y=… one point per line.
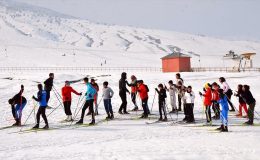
x=230, y=19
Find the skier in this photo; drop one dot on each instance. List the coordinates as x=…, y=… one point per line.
x=242, y=103
x=227, y=91
x=172, y=92
x=48, y=84
x=42, y=99
x=207, y=101
x=122, y=93
x=180, y=83
x=66, y=96
x=223, y=101
x=91, y=91
x=249, y=99
x=18, y=103
x=143, y=92
x=95, y=85
x=107, y=95
x=133, y=86
x=188, y=100
x=161, y=97
x=215, y=99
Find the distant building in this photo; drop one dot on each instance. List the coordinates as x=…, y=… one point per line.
x=176, y=62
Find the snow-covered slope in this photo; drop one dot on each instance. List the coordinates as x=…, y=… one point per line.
x=40, y=37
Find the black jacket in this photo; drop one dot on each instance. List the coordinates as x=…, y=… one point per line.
x=240, y=99
x=17, y=98
x=248, y=97
x=48, y=84
x=122, y=86
x=161, y=95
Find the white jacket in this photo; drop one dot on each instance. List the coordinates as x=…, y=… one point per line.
x=189, y=97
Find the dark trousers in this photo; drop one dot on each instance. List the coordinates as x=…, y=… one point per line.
x=179, y=102
x=48, y=95
x=145, y=106
x=133, y=97
x=162, y=109
x=216, y=109
x=41, y=111
x=188, y=111
x=251, y=109
x=88, y=104
x=124, y=102
x=208, y=113
x=108, y=107
x=229, y=95
x=67, y=108
x=13, y=111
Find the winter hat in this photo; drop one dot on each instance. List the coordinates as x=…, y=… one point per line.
x=67, y=83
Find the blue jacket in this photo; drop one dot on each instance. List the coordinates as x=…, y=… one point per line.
x=91, y=91
x=224, y=103
x=41, y=98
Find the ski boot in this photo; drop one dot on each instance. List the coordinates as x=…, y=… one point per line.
x=112, y=116
x=160, y=119
x=80, y=121
x=125, y=112
x=249, y=123
x=135, y=109
x=224, y=129
x=92, y=122
x=120, y=112
x=220, y=128
x=165, y=119
x=46, y=126
x=36, y=126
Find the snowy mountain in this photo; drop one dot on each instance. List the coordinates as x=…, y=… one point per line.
x=53, y=39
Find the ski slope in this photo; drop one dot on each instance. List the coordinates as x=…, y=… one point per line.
x=126, y=137
x=38, y=37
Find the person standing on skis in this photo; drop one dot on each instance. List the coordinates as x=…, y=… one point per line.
x=223, y=101
x=48, y=84
x=107, y=95
x=90, y=93
x=95, y=85
x=18, y=102
x=207, y=101
x=134, y=88
x=188, y=99
x=215, y=99
x=179, y=85
x=42, y=99
x=161, y=100
x=143, y=92
x=172, y=92
x=227, y=90
x=66, y=97
x=122, y=93
x=242, y=103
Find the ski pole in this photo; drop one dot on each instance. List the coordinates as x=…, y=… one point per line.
x=78, y=112
x=28, y=117
x=79, y=101
x=153, y=101
x=59, y=100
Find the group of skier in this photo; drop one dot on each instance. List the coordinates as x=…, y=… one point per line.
x=215, y=96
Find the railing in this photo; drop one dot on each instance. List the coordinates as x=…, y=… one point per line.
x=223, y=69
x=80, y=69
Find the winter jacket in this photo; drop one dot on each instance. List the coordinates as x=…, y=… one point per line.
x=240, y=99
x=172, y=90
x=189, y=97
x=161, y=95
x=18, y=97
x=215, y=95
x=48, y=84
x=142, y=89
x=95, y=85
x=66, y=93
x=122, y=85
x=91, y=91
x=248, y=97
x=107, y=93
x=225, y=87
x=223, y=103
x=207, y=97
x=41, y=98
x=133, y=86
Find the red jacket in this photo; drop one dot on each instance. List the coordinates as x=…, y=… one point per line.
x=208, y=97
x=66, y=93
x=215, y=95
x=142, y=91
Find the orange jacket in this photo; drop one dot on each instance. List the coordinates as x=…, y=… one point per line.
x=66, y=93
x=142, y=91
x=207, y=97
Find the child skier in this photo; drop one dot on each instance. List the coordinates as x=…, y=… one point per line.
x=227, y=90
x=172, y=92
x=180, y=84
x=42, y=99
x=143, y=92
x=122, y=93
x=90, y=93
x=207, y=101
x=18, y=103
x=107, y=95
x=188, y=100
x=223, y=101
x=161, y=97
x=133, y=86
x=249, y=99
x=66, y=96
x=242, y=103
x=95, y=85
x=215, y=99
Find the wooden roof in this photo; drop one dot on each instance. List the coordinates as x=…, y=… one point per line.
x=175, y=55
